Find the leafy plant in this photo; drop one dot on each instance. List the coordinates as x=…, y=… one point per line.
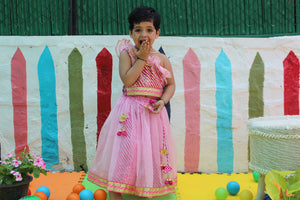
x=14, y=168
x=283, y=185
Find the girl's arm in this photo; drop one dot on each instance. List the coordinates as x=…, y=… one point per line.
x=128, y=73
x=169, y=88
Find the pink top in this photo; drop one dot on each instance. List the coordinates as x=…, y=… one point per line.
x=153, y=77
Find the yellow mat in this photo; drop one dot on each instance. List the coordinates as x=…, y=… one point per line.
x=203, y=186
x=190, y=186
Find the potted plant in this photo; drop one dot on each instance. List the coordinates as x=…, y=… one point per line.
x=283, y=185
x=16, y=173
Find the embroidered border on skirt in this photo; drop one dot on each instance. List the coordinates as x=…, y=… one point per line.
x=132, y=190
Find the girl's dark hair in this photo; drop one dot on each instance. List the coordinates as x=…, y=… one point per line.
x=144, y=14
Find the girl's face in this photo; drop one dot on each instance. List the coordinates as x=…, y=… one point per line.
x=144, y=31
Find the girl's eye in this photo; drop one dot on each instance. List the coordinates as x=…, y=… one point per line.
x=150, y=30
x=137, y=30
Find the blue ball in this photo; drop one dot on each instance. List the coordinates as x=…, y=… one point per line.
x=233, y=187
x=45, y=190
x=86, y=195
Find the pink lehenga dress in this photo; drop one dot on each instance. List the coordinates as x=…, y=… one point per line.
x=136, y=151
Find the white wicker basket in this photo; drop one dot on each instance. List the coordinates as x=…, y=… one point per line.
x=274, y=143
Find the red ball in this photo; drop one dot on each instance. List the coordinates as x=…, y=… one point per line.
x=78, y=188
x=73, y=196
x=29, y=192
x=41, y=195
x=100, y=194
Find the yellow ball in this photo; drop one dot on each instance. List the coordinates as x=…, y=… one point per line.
x=246, y=195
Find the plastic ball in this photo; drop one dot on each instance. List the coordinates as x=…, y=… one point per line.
x=73, y=196
x=221, y=193
x=78, y=188
x=30, y=198
x=86, y=195
x=41, y=195
x=29, y=192
x=256, y=176
x=45, y=190
x=100, y=194
x=233, y=187
x=246, y=195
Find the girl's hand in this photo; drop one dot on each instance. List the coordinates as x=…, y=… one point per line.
x=158, y=106
x=144, y=50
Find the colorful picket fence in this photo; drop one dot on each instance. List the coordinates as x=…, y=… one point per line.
x=191, y=75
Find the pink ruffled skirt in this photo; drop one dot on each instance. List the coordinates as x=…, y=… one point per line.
x=136, y=151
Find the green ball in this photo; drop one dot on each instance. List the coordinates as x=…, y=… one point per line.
x=221, y=193
x=256, y=176
x=246, y=195
x=30, y=198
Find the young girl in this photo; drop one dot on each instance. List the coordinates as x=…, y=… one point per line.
x=136, y=151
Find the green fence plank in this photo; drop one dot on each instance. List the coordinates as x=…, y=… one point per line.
x=13, y=17
x=181, y=17
x=99, y=16
x=225, y=16
x=210, y=20
x=79, y=22
x=64, y=25
x=297, y=15
x=21, y=18
x=273, y=17
x=289, y=21
x=289, y=16
x=2, y=19
x=195, y=17
x=260, y=17
x=254, y=18
x=231, y=20
x=190, y=20
x=6, y=26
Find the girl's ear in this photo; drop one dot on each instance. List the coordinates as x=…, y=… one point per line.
x=130, y=33
x=157, y=33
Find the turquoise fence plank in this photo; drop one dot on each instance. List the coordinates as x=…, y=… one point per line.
x=49, y=128
x=225, y=152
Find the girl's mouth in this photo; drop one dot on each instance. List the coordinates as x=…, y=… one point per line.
x=141, y=41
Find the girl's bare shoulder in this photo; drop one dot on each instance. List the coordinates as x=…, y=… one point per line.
x=162, y=57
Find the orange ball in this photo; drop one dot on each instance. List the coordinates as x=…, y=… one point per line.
x=100, y=194
x=73, y=196
x=78, y=188
x=41, y=195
